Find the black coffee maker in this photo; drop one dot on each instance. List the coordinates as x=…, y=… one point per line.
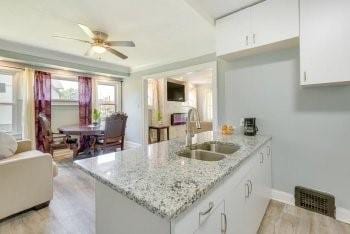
x=250, y=128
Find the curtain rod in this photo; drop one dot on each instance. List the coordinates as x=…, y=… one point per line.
x=65, y=73
x=12, y=67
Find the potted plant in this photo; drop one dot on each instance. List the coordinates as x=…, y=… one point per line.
x=96, y=117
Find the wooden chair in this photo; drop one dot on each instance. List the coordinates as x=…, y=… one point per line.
x=114, y=133
x=55, y=141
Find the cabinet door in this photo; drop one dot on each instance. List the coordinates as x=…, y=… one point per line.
x=236, y=208
x=274, y=21
x=233, y=32
x=214, y=223
x=324, y=41
x=257, y=201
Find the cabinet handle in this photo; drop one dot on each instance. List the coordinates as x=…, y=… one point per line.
x=254, y=38
x=246, y=40
x=247, y=190
x=269, y=150
x=261, y=158
x=211, y=205
x=305, y=76
x=251, y=187
x=224, y=230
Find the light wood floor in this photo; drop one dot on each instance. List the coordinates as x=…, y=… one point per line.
x=72, y=211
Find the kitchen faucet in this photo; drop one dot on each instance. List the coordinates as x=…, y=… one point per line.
x=189, y=132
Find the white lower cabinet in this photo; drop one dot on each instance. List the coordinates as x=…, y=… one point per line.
x=238, y=205
x=213, y=221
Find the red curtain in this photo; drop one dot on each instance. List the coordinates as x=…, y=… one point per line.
x=42, y=102
x=85, y=100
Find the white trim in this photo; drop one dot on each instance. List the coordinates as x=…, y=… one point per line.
x=133, y=144
x=342, y=214
x=283, y=197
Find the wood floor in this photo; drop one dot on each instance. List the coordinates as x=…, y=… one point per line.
x=72, y=211
x=286, y=219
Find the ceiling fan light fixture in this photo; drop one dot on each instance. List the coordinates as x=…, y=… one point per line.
x=99, y=49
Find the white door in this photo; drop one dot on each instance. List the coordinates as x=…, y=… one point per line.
x=275, y=20
x=324, y=41
x=233, y=32
x=214, y=223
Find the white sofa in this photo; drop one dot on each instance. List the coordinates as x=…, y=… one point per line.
x=26, y=180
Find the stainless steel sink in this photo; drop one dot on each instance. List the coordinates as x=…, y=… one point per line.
x=201, y=155
x=222, y=148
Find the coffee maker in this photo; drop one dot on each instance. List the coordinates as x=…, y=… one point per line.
x=250, y=128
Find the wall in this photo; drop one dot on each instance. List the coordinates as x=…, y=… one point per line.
x=310, y=126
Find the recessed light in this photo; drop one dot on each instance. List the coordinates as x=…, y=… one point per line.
x=189, y=73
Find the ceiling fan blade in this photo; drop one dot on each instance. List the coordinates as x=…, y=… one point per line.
x=117, y=53
x=87, y=30
x=121, y=43
x=70, y=38
x=90, y=52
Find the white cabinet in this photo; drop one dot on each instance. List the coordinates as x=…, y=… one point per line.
x=274, y=21
x=233, y=33
x=236, y=201
x=324, y=42
x=212, y=221
x=266, y=23
x=245, y=203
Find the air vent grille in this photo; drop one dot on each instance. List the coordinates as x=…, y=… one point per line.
x=316, y=201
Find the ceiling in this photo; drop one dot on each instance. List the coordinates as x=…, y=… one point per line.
x=164, y=31
x=218, y=8
x=200, y=77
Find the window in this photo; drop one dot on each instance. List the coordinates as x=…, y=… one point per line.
x=10, y=107
x=106, y=98
x=64, y=90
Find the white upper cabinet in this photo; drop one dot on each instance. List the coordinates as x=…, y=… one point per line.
x=263, y=24
x=324, y=42
x=274, y=21
x=233, y=33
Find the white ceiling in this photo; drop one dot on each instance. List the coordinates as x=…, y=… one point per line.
x=164, y=31
x=219, y=8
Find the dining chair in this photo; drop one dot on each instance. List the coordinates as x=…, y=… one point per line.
x=52, y=140
x=114, y=133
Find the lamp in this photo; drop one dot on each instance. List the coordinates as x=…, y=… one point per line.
x=98, y=49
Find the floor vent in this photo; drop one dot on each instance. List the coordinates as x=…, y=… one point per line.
x=316, y=201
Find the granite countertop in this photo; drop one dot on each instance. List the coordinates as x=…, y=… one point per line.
x=155, y=177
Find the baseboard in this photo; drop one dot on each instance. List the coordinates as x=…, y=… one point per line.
x=283, y=197
x=342, y=214
x=132, y=144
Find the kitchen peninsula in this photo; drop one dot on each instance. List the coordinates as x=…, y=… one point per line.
x=153, y=190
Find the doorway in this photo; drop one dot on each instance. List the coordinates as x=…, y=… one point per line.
x=168, y=96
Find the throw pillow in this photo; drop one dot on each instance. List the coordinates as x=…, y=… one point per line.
x=8, y=145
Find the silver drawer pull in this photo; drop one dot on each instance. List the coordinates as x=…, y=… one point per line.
x=247, y=191
x=224, y=229
x=211, y=205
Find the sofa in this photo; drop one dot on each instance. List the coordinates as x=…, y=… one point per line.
x=26, y=180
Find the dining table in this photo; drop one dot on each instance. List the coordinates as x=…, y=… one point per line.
x=87, y=134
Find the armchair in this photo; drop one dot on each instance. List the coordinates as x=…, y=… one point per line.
x=114, y=132
x=26, y=180
x=55, y=141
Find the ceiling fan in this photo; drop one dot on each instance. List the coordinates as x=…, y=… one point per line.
x=99, y=43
